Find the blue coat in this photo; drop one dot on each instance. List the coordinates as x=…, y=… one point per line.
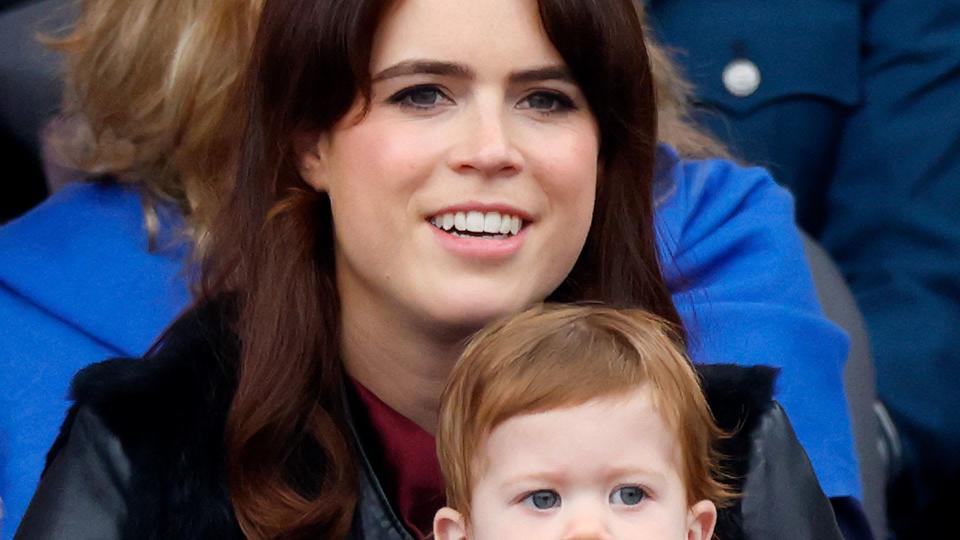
x=77, y=285
x=855, y=106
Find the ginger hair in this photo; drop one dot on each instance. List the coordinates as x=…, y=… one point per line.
x=553, y=357
x=149, y=89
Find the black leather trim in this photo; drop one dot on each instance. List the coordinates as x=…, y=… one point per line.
x=781, y=496
x=83, y=492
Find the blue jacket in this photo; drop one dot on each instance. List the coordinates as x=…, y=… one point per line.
x=77, y=285
x=855, y=106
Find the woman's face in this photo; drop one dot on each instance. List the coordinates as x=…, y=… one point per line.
x=467, y=189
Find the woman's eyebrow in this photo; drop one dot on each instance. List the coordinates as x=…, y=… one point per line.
x=460, y=71
x=546, y=73
x=428, y=67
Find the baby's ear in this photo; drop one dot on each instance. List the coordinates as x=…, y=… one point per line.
x=449, y=524
x=701, y=520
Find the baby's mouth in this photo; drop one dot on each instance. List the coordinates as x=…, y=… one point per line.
x=474, y=224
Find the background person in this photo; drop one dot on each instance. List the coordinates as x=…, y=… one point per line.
x=100, y=268
x=853, y=106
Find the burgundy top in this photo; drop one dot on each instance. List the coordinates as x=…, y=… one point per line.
x=410, y=472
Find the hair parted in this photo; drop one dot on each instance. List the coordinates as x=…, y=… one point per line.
x=152, y=104
x=555, y=356
x=148, y=96
x=272, y=246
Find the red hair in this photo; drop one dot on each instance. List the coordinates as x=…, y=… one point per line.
x=552, y=357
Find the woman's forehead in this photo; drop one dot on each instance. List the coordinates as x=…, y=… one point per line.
x=477, y=33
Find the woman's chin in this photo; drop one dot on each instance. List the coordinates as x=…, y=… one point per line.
x=468, y=314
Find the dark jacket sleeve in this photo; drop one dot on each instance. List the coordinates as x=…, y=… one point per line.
x=781, y=496
x=83, y=492
x=762, y=460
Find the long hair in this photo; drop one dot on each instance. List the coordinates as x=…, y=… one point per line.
x=272, y=244
x=148, y=94
x=152, y=104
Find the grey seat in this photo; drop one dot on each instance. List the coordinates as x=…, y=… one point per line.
x=876, y=443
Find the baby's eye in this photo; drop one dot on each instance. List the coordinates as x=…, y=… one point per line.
x=628, y=495
x=543, y=499
x=420, y=97
x=547, y=102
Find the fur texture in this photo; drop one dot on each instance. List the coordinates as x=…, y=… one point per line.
x=169, y=412
x=738, y=397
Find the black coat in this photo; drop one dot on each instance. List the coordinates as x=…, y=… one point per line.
x=140, y=454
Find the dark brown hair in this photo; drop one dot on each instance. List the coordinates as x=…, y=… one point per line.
x=272, y=246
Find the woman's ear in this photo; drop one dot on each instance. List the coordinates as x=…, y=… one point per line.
x=701, y=520
x=449, y=524
x=310, y=149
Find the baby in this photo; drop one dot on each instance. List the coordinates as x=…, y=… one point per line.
x=577, y=422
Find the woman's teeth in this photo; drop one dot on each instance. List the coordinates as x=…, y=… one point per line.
x=478, y=223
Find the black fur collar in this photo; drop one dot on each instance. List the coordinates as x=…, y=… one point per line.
x=738, y=396
x=177, y=482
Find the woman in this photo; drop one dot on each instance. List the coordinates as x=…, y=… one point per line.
x=360, y=117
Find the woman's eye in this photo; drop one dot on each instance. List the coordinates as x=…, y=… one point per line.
x=543, y=499
x=628, y=495
x=420, y=97
x=547, y=102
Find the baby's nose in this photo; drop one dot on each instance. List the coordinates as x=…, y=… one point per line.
x=588, y=524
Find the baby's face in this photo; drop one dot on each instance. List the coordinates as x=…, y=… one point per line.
x=607, y=469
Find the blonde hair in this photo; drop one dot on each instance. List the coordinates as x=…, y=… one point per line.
x=551, y=357
x=148, y=96
x=673, y=94
x=675, y=126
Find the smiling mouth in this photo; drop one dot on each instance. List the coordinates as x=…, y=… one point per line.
x=473, y=224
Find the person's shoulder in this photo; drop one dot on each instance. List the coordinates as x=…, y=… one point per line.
x=144, y=439
x=767, y=68
x=182, y=387
x=73, y=203
x=102, y=217
x=761, y=459
x=696, y=198
x=82, y=258
x=719, y=180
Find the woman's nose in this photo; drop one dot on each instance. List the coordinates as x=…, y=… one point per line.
x=486, y=145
